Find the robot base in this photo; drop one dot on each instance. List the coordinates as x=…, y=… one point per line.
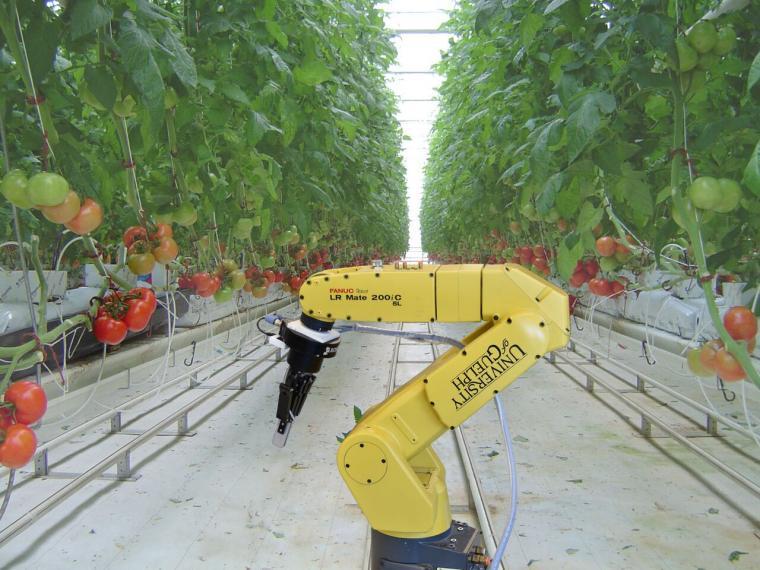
x=459, y=548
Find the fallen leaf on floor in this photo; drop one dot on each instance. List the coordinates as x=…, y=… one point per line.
x=735, y=555
x=531, y=561
x=627, y=546
x=520, y=439
x=298, y=466
x=713, y=511
x=575, y=480
x=278, y=534
x=492, y=454
x=571, y=550
x=92, y=531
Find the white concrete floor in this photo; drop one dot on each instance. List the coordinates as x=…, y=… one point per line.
x=593, y=493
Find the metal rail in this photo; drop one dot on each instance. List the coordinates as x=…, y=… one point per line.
x=648, y=419
x=41, y=454
x=124, y=452
x=643, y=379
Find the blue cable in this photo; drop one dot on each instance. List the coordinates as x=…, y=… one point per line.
x=499, y=554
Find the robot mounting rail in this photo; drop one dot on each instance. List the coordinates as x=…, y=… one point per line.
x=387, y=461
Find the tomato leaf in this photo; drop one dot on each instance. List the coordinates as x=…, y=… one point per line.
x=136, y=45
x=553, y=5
x=101, y=83
x=312, y=72
x=754, y=73
x=585, y=120
x=589, y=216
x=751, y=177
x=234, y=92
x=529, y=27
x=568, y=255
x=180, y=60
x=86, y=16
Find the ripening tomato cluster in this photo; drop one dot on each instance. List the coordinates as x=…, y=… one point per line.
x=50, y=194
x=586, y=271
x=24, y=403
x=120, y=313
x=713, y=358
x=144, y=250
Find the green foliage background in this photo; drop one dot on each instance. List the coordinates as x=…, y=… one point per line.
x=273, y=110
x=552, y=110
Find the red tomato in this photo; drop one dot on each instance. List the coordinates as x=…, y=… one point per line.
x=539, y=251
x=727, y=367
x=304, y=274
x=133, y=234
x=138, y=315
x=617, y=288
x=606, y=246
x=279, y=277
x=162, y=231
x=109, y=331
x=269, y=275
x=90, y=216
x=201, y=281
x=18, y=446
x=295, y=283
x=591, y=267
x=578, y=278
x=540, y=263
x=740, y=323
x=166, y=251
x=29, y=400
x=600, y=287
x=144, y=294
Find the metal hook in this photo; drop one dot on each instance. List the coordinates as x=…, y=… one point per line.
x=725, y=391
x=645, y=351
x=192, y=356
x=575, y=321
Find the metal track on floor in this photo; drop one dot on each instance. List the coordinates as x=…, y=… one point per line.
x=215, y=381
x=476, y=509
x=590, y=368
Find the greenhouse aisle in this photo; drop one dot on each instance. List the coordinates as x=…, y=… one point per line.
x=593, y=494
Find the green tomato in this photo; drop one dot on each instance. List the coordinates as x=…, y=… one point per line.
x=295, y=239
x=267, y=262
x=283, y=238
x=695, y=364
x=14, y=188
x=229, y=265
x=687, y=57
x=704, y=193
x=223, y=295
x=164, y=218
x=730, y=195
x=708, y=61
x=194, y=184
x=47, y=189
x=702, y=36
x=726, y=41
x=185, y=215
x=237, y=279
x=609, y=264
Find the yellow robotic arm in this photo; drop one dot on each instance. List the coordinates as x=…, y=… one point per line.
x=387, y=460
